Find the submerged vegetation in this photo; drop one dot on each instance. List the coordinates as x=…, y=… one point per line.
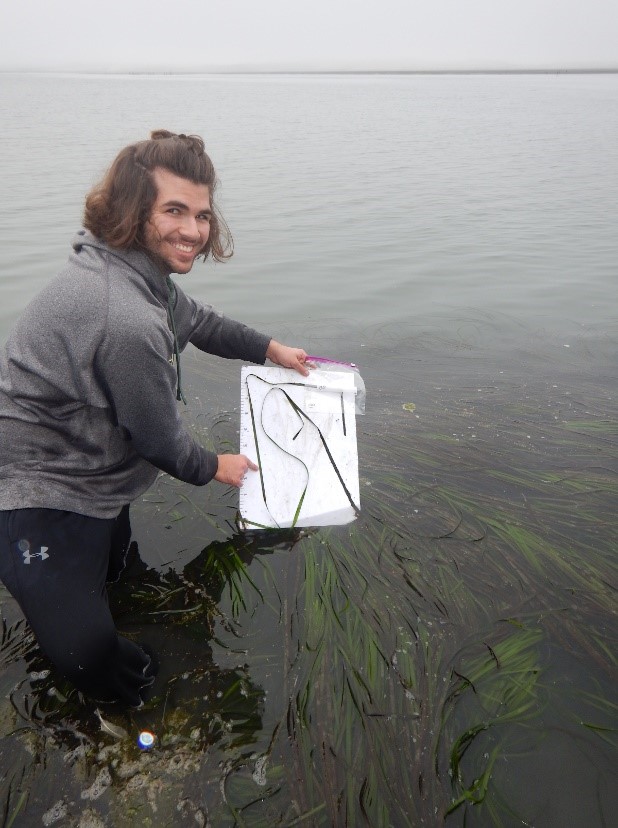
x=448, y=658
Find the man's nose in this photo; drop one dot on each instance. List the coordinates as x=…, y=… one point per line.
x=189, y=227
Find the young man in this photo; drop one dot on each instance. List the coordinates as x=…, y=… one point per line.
x=89, y=383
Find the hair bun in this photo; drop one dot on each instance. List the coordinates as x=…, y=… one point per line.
x=157, y=134
x=193, y=141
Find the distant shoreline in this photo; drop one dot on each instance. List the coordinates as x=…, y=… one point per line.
x=220, y=71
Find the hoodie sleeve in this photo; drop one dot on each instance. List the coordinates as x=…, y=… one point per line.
x=134, y=365
x=216, y=334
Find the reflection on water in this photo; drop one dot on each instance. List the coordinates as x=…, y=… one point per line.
x=447, y=658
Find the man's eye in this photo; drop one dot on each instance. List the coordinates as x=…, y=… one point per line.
x=204, y=217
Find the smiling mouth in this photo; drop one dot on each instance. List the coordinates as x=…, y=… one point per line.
x=184, y=248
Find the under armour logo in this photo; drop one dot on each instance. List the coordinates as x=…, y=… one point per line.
x=24, y=548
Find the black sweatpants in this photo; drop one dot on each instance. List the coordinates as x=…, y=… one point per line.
x=56, y=564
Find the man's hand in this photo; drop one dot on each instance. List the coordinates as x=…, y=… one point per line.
x=232, y=468
x=288, y=357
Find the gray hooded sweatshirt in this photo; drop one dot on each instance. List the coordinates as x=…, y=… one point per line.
x=88, y=384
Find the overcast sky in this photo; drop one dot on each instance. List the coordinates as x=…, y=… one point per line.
x=320, y=34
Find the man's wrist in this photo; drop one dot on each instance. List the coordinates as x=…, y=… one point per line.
x=270, y=351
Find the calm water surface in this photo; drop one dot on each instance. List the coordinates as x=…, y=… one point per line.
x=449, y=658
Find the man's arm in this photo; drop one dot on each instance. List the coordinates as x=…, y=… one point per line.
x=140, y=383
x=217, y=334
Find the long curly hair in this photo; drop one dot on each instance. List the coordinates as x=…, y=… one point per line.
x=118, y=207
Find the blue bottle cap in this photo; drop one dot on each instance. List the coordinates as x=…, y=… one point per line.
x=146, y=740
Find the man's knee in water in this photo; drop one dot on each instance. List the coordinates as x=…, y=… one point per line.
x=87, y=659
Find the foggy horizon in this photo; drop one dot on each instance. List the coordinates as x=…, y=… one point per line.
x=309, y=69
x=240, y=36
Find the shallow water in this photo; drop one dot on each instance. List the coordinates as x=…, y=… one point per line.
x=329, y=676
x=450, y=656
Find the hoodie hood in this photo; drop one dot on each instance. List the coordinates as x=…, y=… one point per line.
x=156, y=277
x=154, y=274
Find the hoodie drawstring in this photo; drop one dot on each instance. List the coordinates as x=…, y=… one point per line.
x=171, y=301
